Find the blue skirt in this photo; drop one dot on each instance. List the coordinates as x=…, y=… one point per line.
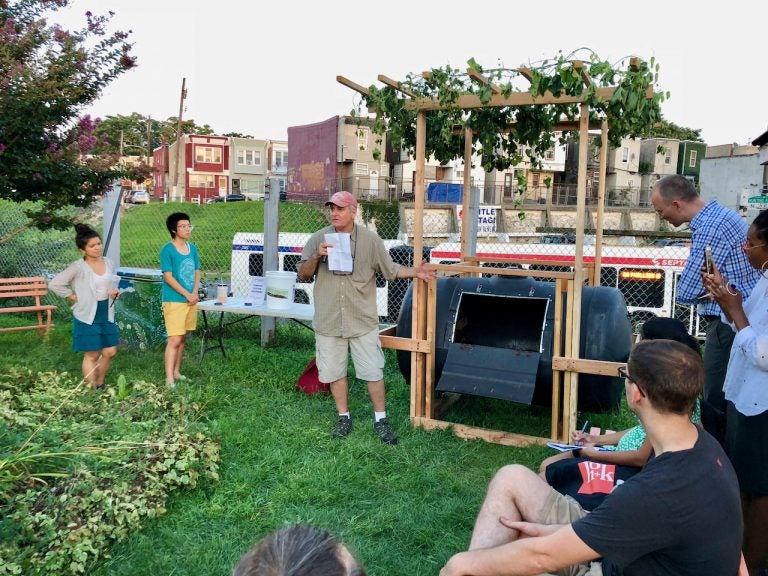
x=97, y=336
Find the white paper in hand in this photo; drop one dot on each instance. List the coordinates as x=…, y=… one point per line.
x=340, y=254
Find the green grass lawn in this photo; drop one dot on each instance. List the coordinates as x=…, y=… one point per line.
x=403, y=509
x=143, y=231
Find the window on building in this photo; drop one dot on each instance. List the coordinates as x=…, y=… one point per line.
x=692, y=159
x=460, y=174
x=201, y=181
x=248, y=157
x=361, y=169
x=208, y=154
x=281, y=158
x=362, y=139
x=625, y=154
x=668, y=156
x=535, y=179
x=549, y=154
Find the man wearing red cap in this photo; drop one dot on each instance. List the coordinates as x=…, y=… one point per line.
x=346, y=319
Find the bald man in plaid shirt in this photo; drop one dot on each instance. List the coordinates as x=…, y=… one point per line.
x=677, y=201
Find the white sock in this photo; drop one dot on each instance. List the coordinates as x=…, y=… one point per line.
x=344, y=414
x=378, y=416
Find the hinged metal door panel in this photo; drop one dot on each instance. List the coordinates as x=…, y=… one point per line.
x=490, y=372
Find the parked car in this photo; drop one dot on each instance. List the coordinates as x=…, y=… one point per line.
x=139, y=197
x=558, y=239
x=227, y=198
x=671, y=242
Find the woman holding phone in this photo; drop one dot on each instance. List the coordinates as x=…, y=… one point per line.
x=89, y=284
x=746, y=390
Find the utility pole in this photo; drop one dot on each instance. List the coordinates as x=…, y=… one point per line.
x=178, y=135
x=149, y=139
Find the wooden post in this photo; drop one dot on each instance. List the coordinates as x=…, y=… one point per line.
x=600, y=203
x=466, y=248
x=561, y=288
x=570, y=396
x=419, y=300
x=429, y=357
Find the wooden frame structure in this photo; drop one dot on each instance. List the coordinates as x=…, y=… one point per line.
x=566, y=362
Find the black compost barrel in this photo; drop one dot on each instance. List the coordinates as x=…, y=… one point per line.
x=494, y=336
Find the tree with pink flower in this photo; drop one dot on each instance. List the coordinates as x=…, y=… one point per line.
x=48, y=76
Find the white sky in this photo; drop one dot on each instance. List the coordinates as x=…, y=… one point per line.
x=260, y=67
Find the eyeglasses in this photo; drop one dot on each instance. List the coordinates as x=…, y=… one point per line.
x=746, y=246
x=624, y=374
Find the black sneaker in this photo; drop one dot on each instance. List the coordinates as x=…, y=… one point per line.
x=342, y=428
x=385, y=432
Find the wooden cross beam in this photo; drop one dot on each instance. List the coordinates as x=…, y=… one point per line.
x=469, y=101
x=561, y=126
x=578, y=65
x=480, y=79
x=349, y=84
x=395, y=84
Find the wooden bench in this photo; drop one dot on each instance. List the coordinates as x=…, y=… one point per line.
x=33, y=287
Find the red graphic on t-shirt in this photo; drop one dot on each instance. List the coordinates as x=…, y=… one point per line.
x=597, y=477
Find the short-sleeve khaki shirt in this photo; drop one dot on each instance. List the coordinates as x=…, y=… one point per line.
x=345, y=305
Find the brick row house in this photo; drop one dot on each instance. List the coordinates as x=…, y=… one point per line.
x=200, y=167
x=336, y=154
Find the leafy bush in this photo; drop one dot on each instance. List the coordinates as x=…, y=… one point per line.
x=81, y=471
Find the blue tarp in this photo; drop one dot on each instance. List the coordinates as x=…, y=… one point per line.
x=446, y=192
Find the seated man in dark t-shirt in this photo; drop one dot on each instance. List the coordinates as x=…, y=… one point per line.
x=679, y=516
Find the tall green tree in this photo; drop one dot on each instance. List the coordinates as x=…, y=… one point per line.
x=666, y=129
x=48, y=75
x=137, y=134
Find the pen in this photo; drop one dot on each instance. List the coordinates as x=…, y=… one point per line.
x=583, y=429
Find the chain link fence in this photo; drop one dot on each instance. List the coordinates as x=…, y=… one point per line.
x=231, y=243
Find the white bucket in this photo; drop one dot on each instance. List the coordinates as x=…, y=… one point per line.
x=280, y=287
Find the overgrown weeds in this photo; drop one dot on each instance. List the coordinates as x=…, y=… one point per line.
x=79, y=472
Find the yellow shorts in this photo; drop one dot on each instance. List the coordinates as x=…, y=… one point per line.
x=179, y=317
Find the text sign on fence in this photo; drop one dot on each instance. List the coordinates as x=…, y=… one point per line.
x=486, y=218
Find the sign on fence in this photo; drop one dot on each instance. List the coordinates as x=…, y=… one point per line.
x=486, y=219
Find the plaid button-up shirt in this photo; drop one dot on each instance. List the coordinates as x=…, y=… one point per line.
x=345, y=306
x=725, y=231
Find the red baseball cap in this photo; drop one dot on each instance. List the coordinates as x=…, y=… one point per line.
x=342, y=199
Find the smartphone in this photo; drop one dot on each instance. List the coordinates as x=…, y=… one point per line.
x=709, y=264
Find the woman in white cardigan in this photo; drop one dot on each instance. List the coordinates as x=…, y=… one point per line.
x=89, y=284
x=746, y=392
